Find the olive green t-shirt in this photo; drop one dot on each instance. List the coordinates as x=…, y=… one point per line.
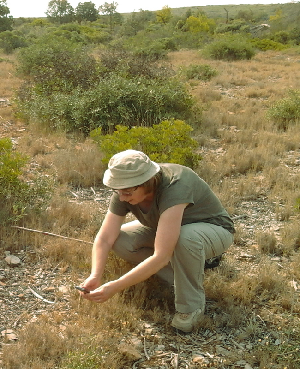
x=179, y=185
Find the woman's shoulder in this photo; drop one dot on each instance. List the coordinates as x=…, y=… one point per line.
x=175, y=172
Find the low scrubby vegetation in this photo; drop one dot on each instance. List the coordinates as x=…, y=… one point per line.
x=166, y=142
x=19, y=197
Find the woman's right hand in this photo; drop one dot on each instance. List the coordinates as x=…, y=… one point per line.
x=91, y=283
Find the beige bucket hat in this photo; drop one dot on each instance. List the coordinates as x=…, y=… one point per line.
x=128, y=169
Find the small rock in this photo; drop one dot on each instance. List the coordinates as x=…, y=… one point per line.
x=199, y=359
x=49, y=289
x=63, y=289
x=245, y=256
x=9, y=335
x=136, y=342
x=13, y=260
x=129, y=351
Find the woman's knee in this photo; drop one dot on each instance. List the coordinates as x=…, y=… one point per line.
x=133, y=248
x=122, y=245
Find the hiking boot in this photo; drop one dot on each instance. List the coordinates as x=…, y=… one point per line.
x=213, y=262
x=187, y=322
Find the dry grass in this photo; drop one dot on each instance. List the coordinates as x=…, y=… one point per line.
x=9, y=82
x=247, y=161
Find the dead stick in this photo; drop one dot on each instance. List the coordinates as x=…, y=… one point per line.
x=41, y=297
x=51, y=234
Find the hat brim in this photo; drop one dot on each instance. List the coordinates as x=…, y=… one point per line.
x=120, y=183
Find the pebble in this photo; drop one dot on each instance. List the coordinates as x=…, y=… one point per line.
x=13, y=260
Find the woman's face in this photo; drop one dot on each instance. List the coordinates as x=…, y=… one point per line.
x=134, y=195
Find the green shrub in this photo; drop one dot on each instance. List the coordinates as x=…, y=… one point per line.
x=82, y=34
x=134, y=102
x=156, y=50
x=295, y=35
x=56, y=64
x=267, y=44
x=230, y=48
x=10, y=40
x=282, y=37
x=115, y=100
x=121, y=61
x=297, y=204
x=202, y=72
x=54, y=111
x=154, y=42
x=40, y=22
x=234, y=26
x=286, y=111
x=168, y=141
x=18, y=197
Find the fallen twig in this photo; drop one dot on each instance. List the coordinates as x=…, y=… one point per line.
x=51, y=234
x=145, y=350
x=41, y=297
x=175, y=360
x=236, y=217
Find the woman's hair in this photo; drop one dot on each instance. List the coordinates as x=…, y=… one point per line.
x=152, y=184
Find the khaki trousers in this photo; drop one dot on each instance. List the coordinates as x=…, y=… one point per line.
x=197, y=242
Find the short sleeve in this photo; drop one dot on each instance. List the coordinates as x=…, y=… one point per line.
x=118, y=207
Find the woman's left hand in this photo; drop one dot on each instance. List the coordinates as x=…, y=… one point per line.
x=102, y=293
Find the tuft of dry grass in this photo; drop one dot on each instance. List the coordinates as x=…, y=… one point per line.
x=9, y=81
x=76, y=162
x=51, y=342
x=267, y=242
x=80, y=165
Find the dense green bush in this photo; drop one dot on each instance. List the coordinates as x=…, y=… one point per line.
x=169, y=141
x=230, y=48
x=128, y=64
x=295, y=35
x=137, y=21
x=234, y=26
x=202, y=72
x=154, y=42
x=115, y=100
x=66, y=88
x=92, y=34
x=53, y=111
x=10, y=40
x=286, y=111
x=282, y=37
x=18, y=197
x=56, y=64
x=267, y=44
x=156, y=50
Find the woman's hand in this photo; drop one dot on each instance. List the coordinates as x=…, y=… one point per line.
x=91, y=283
x=103, y=293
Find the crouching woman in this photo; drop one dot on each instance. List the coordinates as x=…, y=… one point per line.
x=179, y=224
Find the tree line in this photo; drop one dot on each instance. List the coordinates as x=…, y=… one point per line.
x=61, y=11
